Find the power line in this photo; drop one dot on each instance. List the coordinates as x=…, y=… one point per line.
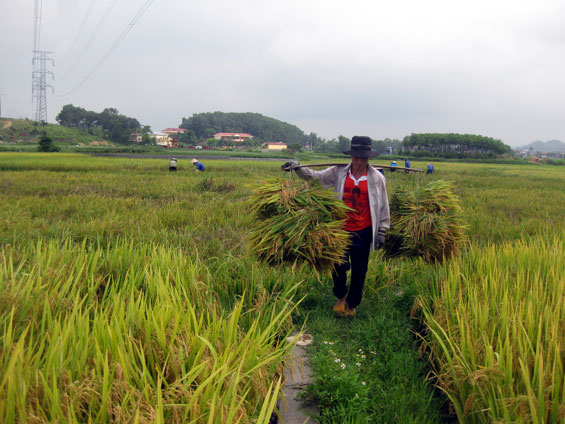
x=92, y=37
x=135, y=19
x=39, y=68
x=40, y=22
x=80, y=28
x=1, y=94
x=37, y=11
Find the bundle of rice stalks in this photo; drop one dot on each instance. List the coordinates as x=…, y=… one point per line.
x=426, y=222
x=298, y=222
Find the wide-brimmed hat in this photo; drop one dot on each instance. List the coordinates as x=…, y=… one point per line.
x=361, y=147
x=194, y=160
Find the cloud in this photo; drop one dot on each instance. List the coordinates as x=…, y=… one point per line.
x=382, y=68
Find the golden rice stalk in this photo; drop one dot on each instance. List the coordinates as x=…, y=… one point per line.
x=426, y=222
x=298, y=222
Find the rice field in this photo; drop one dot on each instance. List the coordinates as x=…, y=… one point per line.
x=129, y=294
x=496, y=325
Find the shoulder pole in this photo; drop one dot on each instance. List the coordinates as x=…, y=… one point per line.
x=345, y=164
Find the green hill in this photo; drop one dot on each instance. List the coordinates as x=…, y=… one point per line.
x=551, y=146
x=27, y=131
x=205, y=125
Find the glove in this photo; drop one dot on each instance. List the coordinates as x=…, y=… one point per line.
x=380, y=239
x=290, y=165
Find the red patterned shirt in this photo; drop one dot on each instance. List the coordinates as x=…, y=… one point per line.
x=356, y=196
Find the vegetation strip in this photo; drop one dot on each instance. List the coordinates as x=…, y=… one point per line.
x=127, y=222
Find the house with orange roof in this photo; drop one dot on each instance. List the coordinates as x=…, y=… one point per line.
x=173, y=131
x=172, y=134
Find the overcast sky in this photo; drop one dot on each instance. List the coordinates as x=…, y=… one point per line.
x=355, y=67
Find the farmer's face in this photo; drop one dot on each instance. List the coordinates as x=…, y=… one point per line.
x=359, y=163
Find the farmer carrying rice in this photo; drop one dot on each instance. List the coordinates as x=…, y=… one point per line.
x=363, y=189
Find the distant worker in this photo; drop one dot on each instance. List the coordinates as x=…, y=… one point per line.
x=393, y=163
x=430, y=169
x=199, y=166
x=173, y=165
x=406, y=165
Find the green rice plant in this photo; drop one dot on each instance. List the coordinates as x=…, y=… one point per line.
x=298, y=223
x=212, y=184
x=105, y=334
x=496, y=332
x=426, y=222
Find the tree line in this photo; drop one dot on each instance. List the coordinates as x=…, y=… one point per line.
x=201, y=127
x=454, y=145
x=109, y=123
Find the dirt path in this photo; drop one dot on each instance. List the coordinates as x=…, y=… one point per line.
x=298, y=375
x=179, y=157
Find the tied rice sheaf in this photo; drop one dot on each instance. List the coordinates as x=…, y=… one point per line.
x=298, y=222
x=426, y=222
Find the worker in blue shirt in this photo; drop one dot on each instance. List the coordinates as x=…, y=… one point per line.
x=199, y=166
x=393, y=163
x=406, y=164
x=430, y=169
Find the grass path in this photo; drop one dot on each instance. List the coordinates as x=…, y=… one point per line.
x=367, y=368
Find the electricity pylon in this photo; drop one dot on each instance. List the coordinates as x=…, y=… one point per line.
x=39, y=83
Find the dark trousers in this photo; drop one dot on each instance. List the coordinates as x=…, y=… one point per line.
x=357, y=259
